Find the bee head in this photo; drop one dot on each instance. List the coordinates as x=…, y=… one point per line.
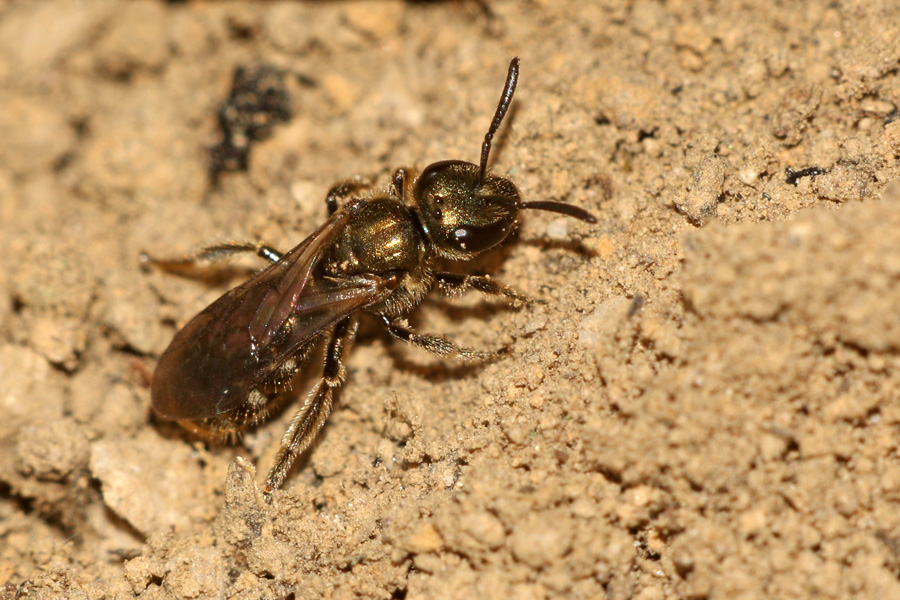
x=462, y=212
x=465, y=211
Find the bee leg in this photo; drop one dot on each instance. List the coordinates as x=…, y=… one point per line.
x=455, y=284
x=436, y=344
x=213, y=254
x=340, y=191
x=398, y=183
x=311, y=416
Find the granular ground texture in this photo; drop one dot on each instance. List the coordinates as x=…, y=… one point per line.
x=705, y=404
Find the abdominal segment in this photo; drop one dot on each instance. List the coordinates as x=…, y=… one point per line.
x=229, y=426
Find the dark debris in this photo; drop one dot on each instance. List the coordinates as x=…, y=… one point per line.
x=792, y=176
x=258, y=101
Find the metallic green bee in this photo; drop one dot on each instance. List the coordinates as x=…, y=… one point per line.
x=376, y=253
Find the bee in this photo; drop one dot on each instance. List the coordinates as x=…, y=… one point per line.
x=376, y=253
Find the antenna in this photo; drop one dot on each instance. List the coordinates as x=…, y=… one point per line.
x=512, y=77
x=562, y=208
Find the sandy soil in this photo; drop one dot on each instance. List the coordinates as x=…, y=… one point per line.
x=706, y=406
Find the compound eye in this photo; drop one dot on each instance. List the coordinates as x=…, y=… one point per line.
x=472, y=238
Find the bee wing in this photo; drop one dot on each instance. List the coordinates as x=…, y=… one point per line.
x=242, y=338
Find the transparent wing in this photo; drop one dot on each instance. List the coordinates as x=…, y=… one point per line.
x=242, y=338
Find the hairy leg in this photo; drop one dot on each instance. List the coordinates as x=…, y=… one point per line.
x=341, y=191
x=309, y=419
x=213, y=254
x=454, y=284
x=436, y=344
